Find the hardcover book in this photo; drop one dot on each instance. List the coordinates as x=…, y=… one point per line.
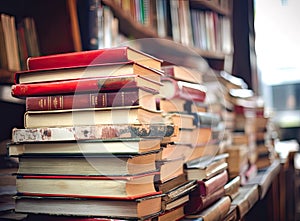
x=86, y=186
x=93, y=132
x=133, y=97
x=172, y=88
x=92, y=116
x=198, y=203
x=85, y=85
x=101, y=70
x=124, y=146
x=217, y=211
x=183, y=73
x=209, y=186
x=92, y=57
x=248, y=196
x=139, y=208
x=87, y=165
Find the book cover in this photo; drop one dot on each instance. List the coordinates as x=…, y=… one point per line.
x=209, y=186
x=92, y=116
x=84, y=85
x=93, y=132
x=133, y=97
x=217, y=211
x=91, y=71
x=122, y=187
x=88, y=164
x=248, y=196
x=197, y=202
x=183, y=73
x=172, y=88
x=91, y=57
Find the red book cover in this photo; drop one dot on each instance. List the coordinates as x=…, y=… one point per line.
x=172, y=89
x=133, y=97
x=197, y=202
x=209, y=186
x=92, y=57
x=99, y=84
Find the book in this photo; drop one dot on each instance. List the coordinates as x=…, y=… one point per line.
x=92, y=132
x=174, y=214
x=198, y=203
x=178, y=196
x=182, y=120
x=139, y=208
x=169, y=169
x=183, y=73
x=206, y=167
x=87, y=165
x=215, y=212
x=247, y=198
x=264, y=178
x=86, y=186
x=133, y=97
x=210, y=185
x=101, y=70
x=170, y=184
x=84, y=85
x=91, y=116
x=231, y=214
x=91, y=57
x=172, y=88
x=232, y=187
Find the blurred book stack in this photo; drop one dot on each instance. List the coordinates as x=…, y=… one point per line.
x=92, y=135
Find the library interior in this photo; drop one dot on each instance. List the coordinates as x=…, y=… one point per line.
x=154, y=110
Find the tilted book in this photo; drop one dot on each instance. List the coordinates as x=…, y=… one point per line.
x=100, y=70
x=84, y=85
x=209, y=186
x=93, y=132
x=85, y=58
x=183, y=73
x=181, y=89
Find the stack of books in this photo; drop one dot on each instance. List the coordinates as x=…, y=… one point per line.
x=180, y=92
x=92, y=135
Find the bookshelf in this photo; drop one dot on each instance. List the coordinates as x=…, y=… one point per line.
x=60, y=29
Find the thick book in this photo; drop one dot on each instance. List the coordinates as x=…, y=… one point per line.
x=206, y=167
x=92, y=57
x=122, y=146
x=121, y=187
x=92, y=116
x=232, y=187
x=215, y=212
x=198, y=203
x=101, y=70
x=247, y=198
x=133, y=97
x=137, y=209
x=87, y=165
x=102, y=132
x=183, y=73
x=173, y=214
x=209, y=186
x=84, y=85
x=172, y=88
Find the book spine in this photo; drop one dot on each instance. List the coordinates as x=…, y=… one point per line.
x=209, y=186
x=90, y=100
x=82, y=58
